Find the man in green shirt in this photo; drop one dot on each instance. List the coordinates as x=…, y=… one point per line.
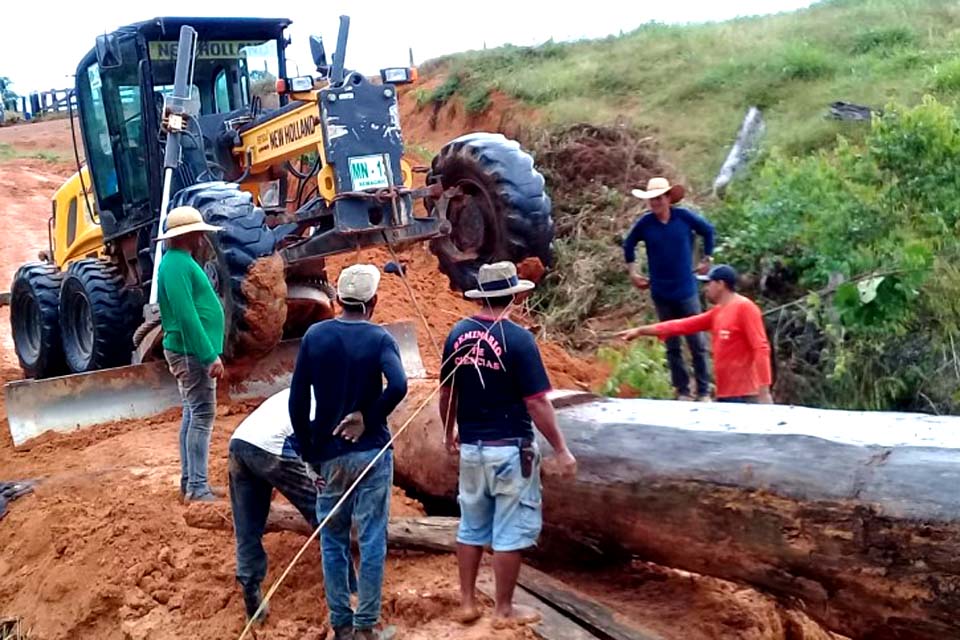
x=193, y=328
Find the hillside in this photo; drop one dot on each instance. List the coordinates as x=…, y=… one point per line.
x=690, y=85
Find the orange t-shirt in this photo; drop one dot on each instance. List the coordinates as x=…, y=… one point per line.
x=741, y=353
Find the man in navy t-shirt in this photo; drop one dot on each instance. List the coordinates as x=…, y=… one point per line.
x=494, y=389
x=668, y=234
x=342, y=363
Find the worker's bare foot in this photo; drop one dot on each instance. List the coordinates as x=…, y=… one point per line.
x=518, y=615
x=467, y=614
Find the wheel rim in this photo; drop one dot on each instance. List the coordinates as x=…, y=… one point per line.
x=81, y=325
x=472, y=215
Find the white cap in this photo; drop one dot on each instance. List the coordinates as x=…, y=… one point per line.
x=358, y=283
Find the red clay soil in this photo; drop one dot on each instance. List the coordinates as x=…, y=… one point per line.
x=101, y=550
x=431, y=127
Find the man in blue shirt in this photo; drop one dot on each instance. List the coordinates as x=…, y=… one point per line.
x=668, y=234
x=342, y=363
x=494, y=389
x=264, y=456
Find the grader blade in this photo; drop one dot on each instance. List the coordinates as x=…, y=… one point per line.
x=142, y=391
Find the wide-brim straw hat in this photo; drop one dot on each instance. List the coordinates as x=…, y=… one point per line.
x=658, y=187
x=184, y=220
x=498, y=279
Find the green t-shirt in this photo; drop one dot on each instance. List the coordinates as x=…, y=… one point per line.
x=190, y=311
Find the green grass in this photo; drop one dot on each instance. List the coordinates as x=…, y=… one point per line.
x=9, y=152
x=692, y=84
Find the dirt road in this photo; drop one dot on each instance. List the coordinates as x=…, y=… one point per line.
x=101, y=549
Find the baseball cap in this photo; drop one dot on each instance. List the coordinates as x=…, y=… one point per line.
x=722, y=273
x=358, y=283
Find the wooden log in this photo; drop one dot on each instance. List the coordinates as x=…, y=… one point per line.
x=553, y=625
x=857, y=515
x=600, y=620
x=743, y=150
x=422, y=534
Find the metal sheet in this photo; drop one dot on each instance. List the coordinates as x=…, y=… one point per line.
x=72, y=402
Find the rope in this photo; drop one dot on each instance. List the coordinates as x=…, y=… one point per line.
x=413, y=298
x=316, y=532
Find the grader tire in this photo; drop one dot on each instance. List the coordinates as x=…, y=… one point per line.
x=35, y=321
x=504, y=214
x=243, y=267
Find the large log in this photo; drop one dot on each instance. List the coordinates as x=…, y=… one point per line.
x=856, y=515
x=422, y=534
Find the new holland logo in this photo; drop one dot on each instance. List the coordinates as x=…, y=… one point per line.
x=292, y=132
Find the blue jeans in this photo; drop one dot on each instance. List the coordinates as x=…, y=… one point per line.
x=254, y=473
x=369, y=506
x=739, y=399
x=674, y=310
x=198, y=392
x=498, y=506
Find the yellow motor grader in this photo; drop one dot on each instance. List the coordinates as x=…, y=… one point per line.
x=205, y=112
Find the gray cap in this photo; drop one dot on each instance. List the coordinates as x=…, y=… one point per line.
x=358, y=283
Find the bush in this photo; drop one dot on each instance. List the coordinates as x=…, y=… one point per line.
x=872, y=228
x=946, y=76
x=477, y=101
x=806, y=62
x=638, y=371
x=882, y=40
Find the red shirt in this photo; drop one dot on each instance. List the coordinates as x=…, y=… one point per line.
x=741, y=353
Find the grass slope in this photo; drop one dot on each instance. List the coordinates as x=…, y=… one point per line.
x=691, y=84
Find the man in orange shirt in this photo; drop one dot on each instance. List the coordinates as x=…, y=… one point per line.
x=741, y=353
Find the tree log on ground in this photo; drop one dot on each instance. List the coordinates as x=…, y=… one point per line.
x=855, y=515
x=422, y=534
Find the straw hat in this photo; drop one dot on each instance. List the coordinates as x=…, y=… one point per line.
x=183, y=220
x=358, y=283
x=658, y=187
x=498, y=279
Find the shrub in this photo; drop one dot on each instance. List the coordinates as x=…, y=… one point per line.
x=806, y=62
x=638, y=371
x=883, y=40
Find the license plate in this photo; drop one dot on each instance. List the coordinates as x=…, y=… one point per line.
x=369, y=172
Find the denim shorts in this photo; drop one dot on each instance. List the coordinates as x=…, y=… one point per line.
x=498, y=506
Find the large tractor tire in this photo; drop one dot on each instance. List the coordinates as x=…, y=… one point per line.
x=34, y=318
x=503, y=213
x=243, y=266
x=97, y=316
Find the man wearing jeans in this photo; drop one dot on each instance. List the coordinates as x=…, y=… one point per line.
x=193, y=327
x=741, y=352
x=494, y=389
x=342, y=363
x=668, y=233
x=264, y=456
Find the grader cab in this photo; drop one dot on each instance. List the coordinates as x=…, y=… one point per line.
x=293, y=169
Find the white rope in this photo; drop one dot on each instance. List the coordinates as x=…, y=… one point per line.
x=349, y=491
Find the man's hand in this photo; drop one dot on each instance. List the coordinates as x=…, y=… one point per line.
x=351, y=427
x=565, y=465
x=704, y=267
x=215, y=370
x=764, y=396
x=452, y=443
x=639, y=281
x=633, y=334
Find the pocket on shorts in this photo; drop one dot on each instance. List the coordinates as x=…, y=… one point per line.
x=531, y=517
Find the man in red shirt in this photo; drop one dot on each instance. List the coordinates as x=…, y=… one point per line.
x=741, y=353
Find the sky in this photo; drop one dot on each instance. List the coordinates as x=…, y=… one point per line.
x=38, y=56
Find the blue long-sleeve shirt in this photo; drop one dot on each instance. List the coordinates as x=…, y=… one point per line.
x=343, y=363
x=670, y=251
